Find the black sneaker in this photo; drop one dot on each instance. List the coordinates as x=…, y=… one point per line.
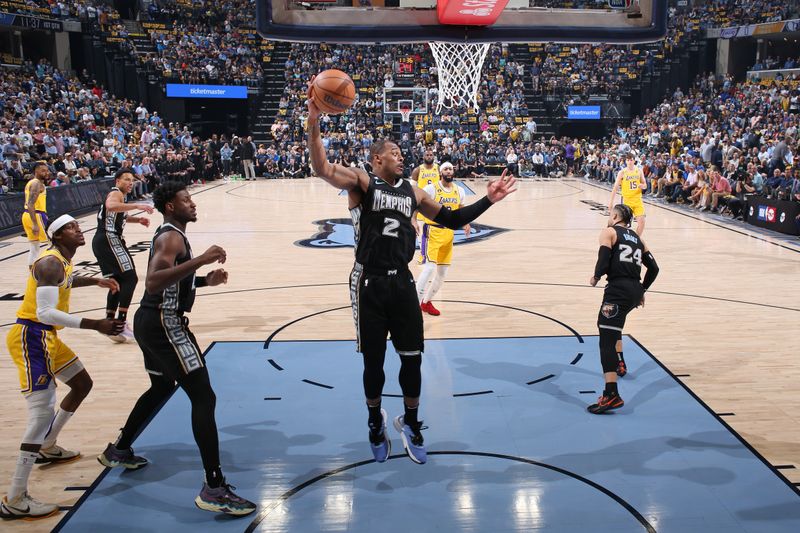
x=223, y=500
x=606, y=403
x=112, y=458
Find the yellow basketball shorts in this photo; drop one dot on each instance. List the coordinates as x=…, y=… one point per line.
x=635, y=204
x=436, y=245
x=27, y=224
x=39, y=355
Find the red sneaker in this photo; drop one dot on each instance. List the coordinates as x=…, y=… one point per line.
x=432, y=310
x=606, y=403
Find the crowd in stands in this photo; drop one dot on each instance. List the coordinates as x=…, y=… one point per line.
x=82, y=132
x=713, y=146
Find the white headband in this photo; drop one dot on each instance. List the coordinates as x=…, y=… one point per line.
x=59, y=223
x=446, y=165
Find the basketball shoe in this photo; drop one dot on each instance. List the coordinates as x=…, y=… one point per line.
x=606, y=403
x=412, y=440
x=427, y=307
x=223, y=500
x=379, y=441
x=26, y=508
x=113, y=457
x=56, y=454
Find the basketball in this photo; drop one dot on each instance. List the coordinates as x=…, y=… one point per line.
x=333, y=91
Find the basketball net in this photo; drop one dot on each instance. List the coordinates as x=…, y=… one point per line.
x=405, y=113
x=459, y=66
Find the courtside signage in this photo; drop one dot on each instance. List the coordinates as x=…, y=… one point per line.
x=583, y=112
x=181, y=90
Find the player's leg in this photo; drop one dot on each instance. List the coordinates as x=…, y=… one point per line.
x=610, y=321
x=405, y=326
x=428, y=264
x=622, y=368
x=27, y=348
x=162, y=372
x=371, y=331
x=444, y=255
x=638, y=214
x=34, y=240
x=70, y=371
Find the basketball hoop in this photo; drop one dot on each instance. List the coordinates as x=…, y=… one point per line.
x=459, y=67
x=405, y=112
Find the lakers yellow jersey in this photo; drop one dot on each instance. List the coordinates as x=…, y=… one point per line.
x=41, y=201
x=629, y=184
x=427, y=176
x=28, y=308
x=450, y=199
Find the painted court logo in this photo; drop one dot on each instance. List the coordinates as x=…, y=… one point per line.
x=338, y=233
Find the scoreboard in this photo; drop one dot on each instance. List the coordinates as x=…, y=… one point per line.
x=406, y=68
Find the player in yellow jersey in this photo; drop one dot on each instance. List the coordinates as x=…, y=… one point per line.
x=34, y=218
x=428, y=172
x=631, y=184
x=40, y=356
x=436, y=247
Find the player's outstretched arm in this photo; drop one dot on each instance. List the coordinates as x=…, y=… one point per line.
x=339, y=176
x=496, y=191
x=49, y=274
x=642, y=180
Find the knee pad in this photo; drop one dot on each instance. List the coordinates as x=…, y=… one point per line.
x=41, y=409
x=411, y=375
x=608, y=349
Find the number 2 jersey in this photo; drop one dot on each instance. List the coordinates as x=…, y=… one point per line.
x=386, y=239
x=626, y=256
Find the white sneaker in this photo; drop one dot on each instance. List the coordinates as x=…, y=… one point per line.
x=127, y=334
x=56, y=454
x=25, y=507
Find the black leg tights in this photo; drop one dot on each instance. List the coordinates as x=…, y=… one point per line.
x=204, y=426
x=374, y=378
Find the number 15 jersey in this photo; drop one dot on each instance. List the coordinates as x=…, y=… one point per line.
x=386, y=238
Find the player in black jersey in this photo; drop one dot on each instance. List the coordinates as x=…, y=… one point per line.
x=621, y=256
x=109, y=248
x=384, y=291
x=171, y=352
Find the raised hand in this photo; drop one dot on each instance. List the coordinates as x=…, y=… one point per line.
x=502, y=187
x=313, y=110
x=109, y=326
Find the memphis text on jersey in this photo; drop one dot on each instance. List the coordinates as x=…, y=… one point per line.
x=393, y=202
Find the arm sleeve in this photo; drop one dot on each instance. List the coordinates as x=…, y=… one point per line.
x=461, y=217
x=652, y=270
x=46, y=312
x=603, y=261
x=430, y=191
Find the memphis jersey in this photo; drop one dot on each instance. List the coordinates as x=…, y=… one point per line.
x=178, y=297
x=386, y=239
x=427, y=176
x=41, y=200
x=629, y=183
x=626, y=255
x=355, y=214
x=27, y=310
x=452, y=199
x=108, y=221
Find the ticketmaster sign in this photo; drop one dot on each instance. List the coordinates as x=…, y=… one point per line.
x=583, y=112
x=179, y=90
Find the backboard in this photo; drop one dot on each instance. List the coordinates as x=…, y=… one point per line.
x=415, y=98
x=523, y=21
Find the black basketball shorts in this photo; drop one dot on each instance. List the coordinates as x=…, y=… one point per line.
x=386, y=303
x=112, y=254
x=169, y=347
x=620, y=297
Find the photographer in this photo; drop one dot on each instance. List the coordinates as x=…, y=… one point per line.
x=743, y=187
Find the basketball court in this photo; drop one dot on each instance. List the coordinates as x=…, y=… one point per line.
x=707, y=440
